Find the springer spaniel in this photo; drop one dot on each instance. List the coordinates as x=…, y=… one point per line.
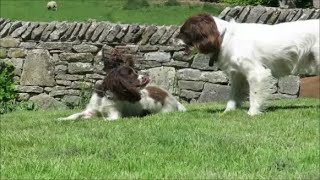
x=254, y=53
x=124, y=93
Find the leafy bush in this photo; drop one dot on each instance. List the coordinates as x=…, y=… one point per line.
x=304, y=3
x=7, y=88
x=8, y=94
x=135, y=4
x=172, y=3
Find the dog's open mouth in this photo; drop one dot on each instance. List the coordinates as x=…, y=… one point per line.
x=146, y=80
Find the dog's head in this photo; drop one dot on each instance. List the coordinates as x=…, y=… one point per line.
x=124, y=81
x=201, y=32
x=116, y=58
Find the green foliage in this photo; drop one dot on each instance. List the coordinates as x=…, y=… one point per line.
x=7, y=87
x=8, y=102
x=172, y=3
x=135, y=4
x=304, y=3
x=85, y=95
x=14, y=105
x=101, y=10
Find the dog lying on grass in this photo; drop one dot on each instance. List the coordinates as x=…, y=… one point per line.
x=125, y=93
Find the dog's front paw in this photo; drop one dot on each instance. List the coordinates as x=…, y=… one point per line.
x=254, y=112
x=62, y=119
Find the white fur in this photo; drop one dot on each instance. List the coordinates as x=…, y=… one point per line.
x=115, y=109
x=52, y=5
x=255, y=53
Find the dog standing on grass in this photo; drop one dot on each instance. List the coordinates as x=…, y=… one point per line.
x=254, y=53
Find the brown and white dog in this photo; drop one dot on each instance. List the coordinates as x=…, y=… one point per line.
x=254, y=53
x=125, y=93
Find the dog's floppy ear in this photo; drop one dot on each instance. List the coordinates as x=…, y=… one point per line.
x=122, y=88
x=128, y=92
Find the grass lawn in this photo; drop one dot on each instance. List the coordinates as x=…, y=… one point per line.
x=102, y=10
x=201, y=143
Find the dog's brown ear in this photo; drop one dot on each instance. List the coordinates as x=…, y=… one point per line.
x=122, y=88
x=129, y=93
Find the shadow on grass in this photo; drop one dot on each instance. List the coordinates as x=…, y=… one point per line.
x=270, y=108
x=276, y=107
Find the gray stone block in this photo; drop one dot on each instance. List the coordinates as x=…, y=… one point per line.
x=16, y=53
x=189, y=95
x=9, y=42
x=59, y=30
x=117, y=31
x=90, y=30
x=47, y=31
x=167, y=35
x=37, y=32
x=38, y=69
x=147, y=34
x=191, y=85
x=65, y=46
x=255, y=14
x=289, y=85
x=157, y=56
x=67, y=34
x=5, y=30
x=69, y=77
x=27, y=34
x=80, y=68
x=214, y=77
x=45, y=102
x=157, y=35
x=105, y=32
x=97, y=32
x=201, y=61
x=18, y=32
x=71, y=100
x=163, y=77
x=85, y=48
x=14, y=26
x=189, y=74
x=214, y=92
x=29, y=89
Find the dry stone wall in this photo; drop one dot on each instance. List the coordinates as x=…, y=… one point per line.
x=57, y=61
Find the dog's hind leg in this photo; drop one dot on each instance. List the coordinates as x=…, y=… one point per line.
x=90, y=111
x=73, y=116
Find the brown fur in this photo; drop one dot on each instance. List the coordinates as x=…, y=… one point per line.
x=157, y=94
x=121, y=79
x=201, y=31
x=116, y=58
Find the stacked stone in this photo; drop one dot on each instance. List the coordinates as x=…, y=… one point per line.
x=267, y=15
x=91, y=31
x=59, y=61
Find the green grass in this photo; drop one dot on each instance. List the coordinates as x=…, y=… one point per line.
x=199, y=144
x=101, y=10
